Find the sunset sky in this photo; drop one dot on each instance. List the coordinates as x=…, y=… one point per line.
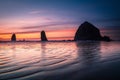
x=59, y=18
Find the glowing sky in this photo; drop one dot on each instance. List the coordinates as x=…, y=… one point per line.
x=59, y=18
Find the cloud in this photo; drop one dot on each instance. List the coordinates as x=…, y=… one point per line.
x=37, y=11
x=50, y=25
x=47, y=27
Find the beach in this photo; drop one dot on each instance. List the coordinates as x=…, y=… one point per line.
x=81, y=60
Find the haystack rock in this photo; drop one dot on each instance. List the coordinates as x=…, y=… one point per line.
x=13, y=38
x=88, y=31
x=43, y=36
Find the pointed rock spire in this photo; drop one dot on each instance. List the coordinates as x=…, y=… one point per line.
x=43, y=36
x=13, y=38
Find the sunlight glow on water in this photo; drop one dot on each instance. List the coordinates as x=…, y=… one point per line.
x=38, y=59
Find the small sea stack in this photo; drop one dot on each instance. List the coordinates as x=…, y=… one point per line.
x=88, y=31
x=43, y=36
x=13, y=38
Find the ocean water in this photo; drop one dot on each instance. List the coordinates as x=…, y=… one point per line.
x=56, y=60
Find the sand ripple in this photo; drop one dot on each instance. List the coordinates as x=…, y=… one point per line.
x=52, y=60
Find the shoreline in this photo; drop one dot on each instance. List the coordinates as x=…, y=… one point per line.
x=60, y=41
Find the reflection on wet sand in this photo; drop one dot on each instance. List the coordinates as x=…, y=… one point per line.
x=55, y=60
x=89, y=52
x=43, y=53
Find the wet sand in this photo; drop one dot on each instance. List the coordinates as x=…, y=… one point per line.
x=60, y=61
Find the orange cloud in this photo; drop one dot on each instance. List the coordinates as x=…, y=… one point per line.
x=5, y=37
x=61, y=34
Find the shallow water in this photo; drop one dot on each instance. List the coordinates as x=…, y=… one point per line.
x=54, y=60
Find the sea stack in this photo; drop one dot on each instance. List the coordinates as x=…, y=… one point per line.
x=88, y=31
x=13, y=38
x=43, y=36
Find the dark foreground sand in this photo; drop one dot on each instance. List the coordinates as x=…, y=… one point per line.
x=108, y=70
x=105, y=71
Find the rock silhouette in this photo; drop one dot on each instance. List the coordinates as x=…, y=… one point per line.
x=43, y=36
x=13, y=38
x=88, y=31
x=106, y=38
